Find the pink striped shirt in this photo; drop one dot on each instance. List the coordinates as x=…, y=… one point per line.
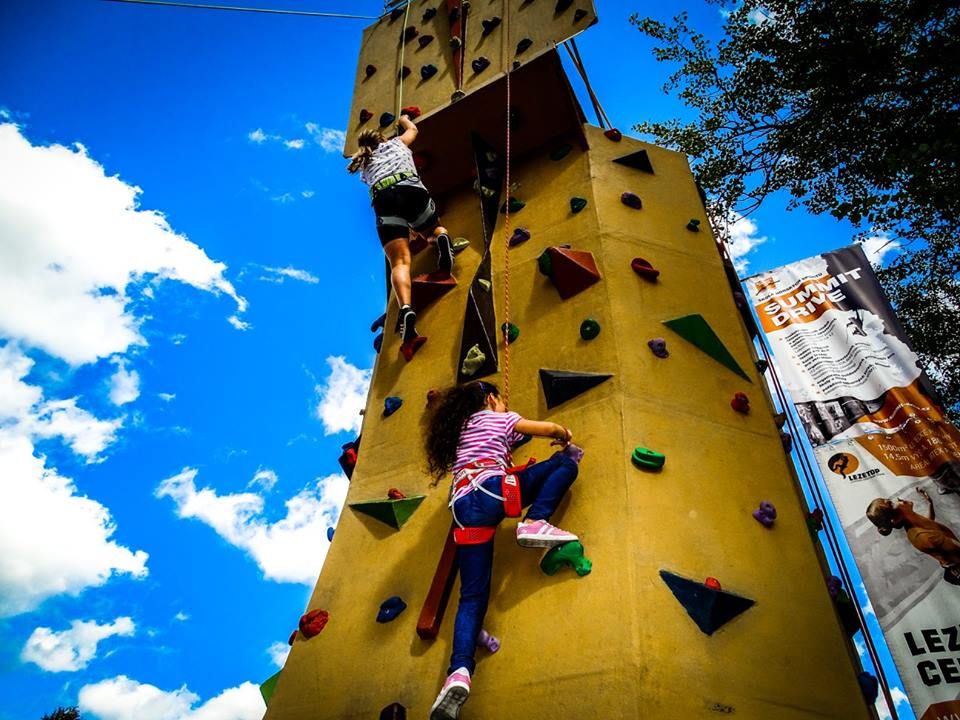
x=488, y=435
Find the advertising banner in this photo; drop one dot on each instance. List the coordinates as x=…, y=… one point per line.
x=890, y=458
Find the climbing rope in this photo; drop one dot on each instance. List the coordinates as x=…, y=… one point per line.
x=403, y=46
x=809, y=478
x=506, y=237
x=574, y=52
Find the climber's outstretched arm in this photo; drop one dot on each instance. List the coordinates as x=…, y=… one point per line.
x=544, y=429
x=409, y=131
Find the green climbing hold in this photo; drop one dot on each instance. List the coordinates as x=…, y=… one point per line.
x=696, y=330
x=561, y=152
x=268, y=686
x=460, y=244
x=570, y=555
x=648, y=459
x=485, y=284
x=589, y=329
x=577, y=204
x=515, y=205
x=510, y=331
x=392, y=512
x=545, y=263
x=473, y=361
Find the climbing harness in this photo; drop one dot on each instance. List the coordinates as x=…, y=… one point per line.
x=389, y=181
x=465, y=482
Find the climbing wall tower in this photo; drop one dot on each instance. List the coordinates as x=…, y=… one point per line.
x=607, y=229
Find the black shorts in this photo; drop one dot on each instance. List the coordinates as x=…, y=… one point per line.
x=400, y=207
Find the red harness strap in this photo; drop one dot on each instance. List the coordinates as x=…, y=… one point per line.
x=512, y=507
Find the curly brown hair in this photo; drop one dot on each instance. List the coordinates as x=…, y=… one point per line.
x=451, y=411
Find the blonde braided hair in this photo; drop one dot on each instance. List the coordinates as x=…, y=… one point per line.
x=368, y=141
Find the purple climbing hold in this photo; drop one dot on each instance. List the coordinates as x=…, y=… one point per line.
x=520, y=235
x=766, y=514
x=391, y=405
x=659, y=347
x=834, y=586
x=480, y=64
x=631, y=200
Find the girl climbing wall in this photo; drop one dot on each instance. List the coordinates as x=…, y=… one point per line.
x=471, y=433
x=401, y=203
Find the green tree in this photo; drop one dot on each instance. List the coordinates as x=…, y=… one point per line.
x=62, y=713
x=848, y=108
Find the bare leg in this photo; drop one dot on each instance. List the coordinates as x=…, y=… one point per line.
x=398, y=253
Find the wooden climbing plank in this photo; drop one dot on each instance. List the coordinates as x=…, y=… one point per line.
x=435, y=604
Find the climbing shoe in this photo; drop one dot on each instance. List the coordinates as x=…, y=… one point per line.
x=453, y=695
x=408, y=323
x=541, y=534
x=445, y=252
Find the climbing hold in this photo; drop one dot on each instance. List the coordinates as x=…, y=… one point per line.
x=647, y=459
x=869, y=686
x=394, y=711
x=313, y=622
x=480, y=64
x=740, y=403
x=631, y=200
x=365, y=115
x=424, y=40
x=473, y=361
x=589, y=329
x=579, y=14
x=762, y=366
x=428, y=71
x=845, y=607
x=577, y=204
x=572, y=271
x=562, y=385
x=739, y=299
x=644, y=269
x=570, y=554
x=409, y=34
x=293, y=637
x=348, y=457
x=787, y=441
x=411, y=111
x=268, y=686
x=485, y=284
x=515, y=205
x=370, y=70
x=709, y=607
x=516, y=65
x=562, y=5
x=427, y=289
x=387, y=119
x=693, y=225
x=429, y=14
x=510, y=331
x=490, y=25
x=396, y=14
x=712, y=583
x=378, y=342
x=659, y=347
x=613, y=134
x=329, y=534
x=455, y=44
x=391, y=405
x=403, y=73
x=638, y=160
x=378, y=323
x=390, y=609
x=520, y=235
x=410, y=347
x=524, y=45
x=488, y=641
x=815, y=520
x=560, y=152
x=765, y=514
x=391, y=512
x=460, y=244
x=696, y=330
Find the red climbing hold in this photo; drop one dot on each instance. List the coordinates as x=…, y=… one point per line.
x=411, y=111
x=631, y=200
x=365, y=115
x=572, y=271
x=410, y=347
x=740, y=403
x=712, y=583
x=433, y=395
x=395, y=494
x=429, y=288
x=613, y=134
x=370, y=70
x=313, y=622
x=644, y=269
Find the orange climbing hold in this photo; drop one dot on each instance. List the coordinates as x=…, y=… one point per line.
x=572, y=271
x=395, y=494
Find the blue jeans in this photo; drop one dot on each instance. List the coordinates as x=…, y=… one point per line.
x=542, y=487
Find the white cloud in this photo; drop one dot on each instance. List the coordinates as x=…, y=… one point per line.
x=52, y=540
x=181, y=616
x=291, y=549
x=295, y=144
x=279, y=274
x=124, y=384
x=238, y=323
x=759, y=16
x=307, y=193
x=342, y=396
x=257, y=136
x=167, y=397
x=75, y=242
x=744, y=238
x=329, y=139
x=877, y=247
x=278, y=652
x=121, y=698
x=265, y=478
x=72, y=649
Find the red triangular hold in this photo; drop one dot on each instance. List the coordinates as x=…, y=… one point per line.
x=431, y=287
x=410, y=347
x=573, y=270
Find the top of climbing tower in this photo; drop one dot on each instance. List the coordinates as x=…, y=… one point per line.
x=431, y=53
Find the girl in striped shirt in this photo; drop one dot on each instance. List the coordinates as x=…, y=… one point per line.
x=471, y=433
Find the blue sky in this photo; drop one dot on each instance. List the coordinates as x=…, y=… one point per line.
x=187, y=278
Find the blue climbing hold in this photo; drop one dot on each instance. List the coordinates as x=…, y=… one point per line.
x=428, y=71
x=329, y=534
x=387, y=119
x=520, y=235
x=391, y=405
x=378, y=323
x=378, y=342
x=390, y=609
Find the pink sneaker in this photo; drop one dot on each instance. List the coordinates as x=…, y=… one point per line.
x=453, y=695
x=541, y=534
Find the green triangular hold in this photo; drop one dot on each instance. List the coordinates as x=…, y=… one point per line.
x=696, y=330
x=391, y=512
x=268, y=686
